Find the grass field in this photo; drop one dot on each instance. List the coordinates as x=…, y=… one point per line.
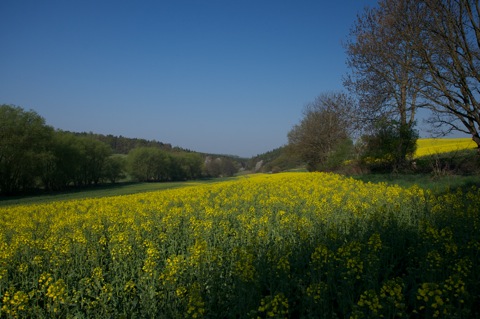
x=291, y=245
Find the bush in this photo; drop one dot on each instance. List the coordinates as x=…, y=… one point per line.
x=464, y=162
x=390, y=147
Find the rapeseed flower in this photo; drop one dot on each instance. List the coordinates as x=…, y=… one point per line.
x=273, y=245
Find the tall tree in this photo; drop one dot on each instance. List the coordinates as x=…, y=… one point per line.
x=406, y=54
x=326, y=126
x=63, y=165
x=93, y=155
x=391, y=144
x=114, y=168
x=149, y=164
x=213, y=166
x=384, y=70
x=450, y=51
x=190, y=165
x=24, y=141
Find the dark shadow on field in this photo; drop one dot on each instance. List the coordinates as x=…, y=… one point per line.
x=91, y=191
x=101, y=190
x=68, y=190
x=437, y=184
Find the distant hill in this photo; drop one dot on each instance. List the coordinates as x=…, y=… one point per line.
x=123, y=145
x=276, y=160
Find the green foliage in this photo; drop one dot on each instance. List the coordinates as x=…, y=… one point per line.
x=93, y=155
x=220, y=167
x=437, y=185
x=63, y=164
x=122, y=144
x=213, y=166
x=74, y=160
x=190, y=165
x=342, y=152
x=391, y=146
x=461, y=162
x=115, y=167
x=276, y=160
x=33, y=155
x=24, y=143
x=323, y=134
x=228, y=168
x=148, y=164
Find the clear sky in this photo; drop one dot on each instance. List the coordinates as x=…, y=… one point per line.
x=229, y=77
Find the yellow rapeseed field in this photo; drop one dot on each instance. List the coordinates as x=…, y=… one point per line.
x=290, y=245
x=434, y=146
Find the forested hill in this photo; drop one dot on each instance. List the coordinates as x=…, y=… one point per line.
x=123, y=145
x=279, y=159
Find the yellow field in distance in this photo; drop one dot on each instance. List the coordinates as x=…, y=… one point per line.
x=432, y=146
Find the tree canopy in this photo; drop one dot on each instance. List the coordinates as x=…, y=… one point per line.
x=24, y=146
x=326, y=126
x=406, y=54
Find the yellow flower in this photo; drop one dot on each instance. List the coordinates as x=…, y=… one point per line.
x=276, y=306
x=57, y=291
x=14, y=303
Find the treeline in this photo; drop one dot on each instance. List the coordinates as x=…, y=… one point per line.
x=123, y=145
x=151, y=164
x=35, y=156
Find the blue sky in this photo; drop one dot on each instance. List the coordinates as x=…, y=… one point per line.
x=229, y=77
